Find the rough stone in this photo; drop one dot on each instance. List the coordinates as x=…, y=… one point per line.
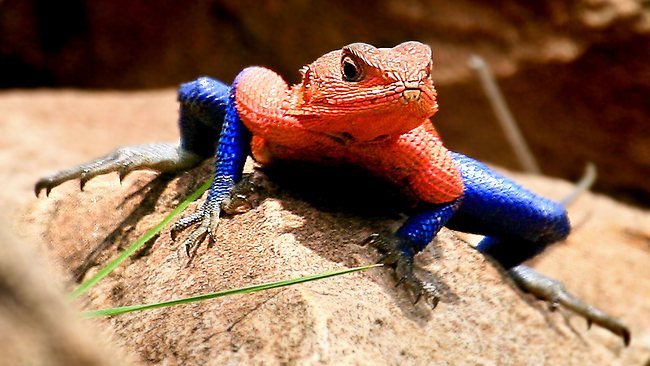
x=358, y=319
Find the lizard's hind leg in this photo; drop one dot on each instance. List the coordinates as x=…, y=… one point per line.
x=203, y=107
x=518, y=225
x=551, y=290
x=162, y=157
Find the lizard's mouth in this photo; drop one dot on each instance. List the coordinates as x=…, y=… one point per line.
x=410, y=95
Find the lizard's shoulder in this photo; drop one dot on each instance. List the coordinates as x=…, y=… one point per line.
x=259, y=90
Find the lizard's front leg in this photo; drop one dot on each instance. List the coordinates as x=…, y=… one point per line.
x=232, y=149
x=428, y=171
x=411, y=238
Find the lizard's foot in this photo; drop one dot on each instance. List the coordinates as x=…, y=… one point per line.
x=208, y=217
x=241, y=198
x=398, y=253
x=162, y=157
x=554, y=292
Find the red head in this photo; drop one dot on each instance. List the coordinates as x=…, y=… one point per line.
x=366, y=93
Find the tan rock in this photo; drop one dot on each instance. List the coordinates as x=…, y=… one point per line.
x=359, y=318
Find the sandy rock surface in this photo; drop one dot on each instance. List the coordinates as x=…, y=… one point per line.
x=358, y=319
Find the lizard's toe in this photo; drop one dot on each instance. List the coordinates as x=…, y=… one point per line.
x=207, y=218
x=398, y=253
x=43, y=184
x=185, y=222
x=418, y=287
x=161, y=157
x=196, y=237
x=207, y=215
x=556, y=294
x=236, y=199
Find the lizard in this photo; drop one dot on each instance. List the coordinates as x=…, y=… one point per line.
x=367, y=107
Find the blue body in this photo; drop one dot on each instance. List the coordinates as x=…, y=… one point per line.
x=517, y=223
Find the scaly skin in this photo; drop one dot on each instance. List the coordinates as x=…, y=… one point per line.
x=380, y=122
x=367, y=107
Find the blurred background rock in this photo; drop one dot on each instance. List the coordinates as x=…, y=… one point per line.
x=575, y=73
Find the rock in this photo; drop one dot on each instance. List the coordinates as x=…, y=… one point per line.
x=359, y=318
x=37, y=325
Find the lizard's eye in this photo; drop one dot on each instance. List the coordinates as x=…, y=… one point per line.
x=350, y=70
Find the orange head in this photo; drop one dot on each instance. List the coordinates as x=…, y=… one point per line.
x=363, y=93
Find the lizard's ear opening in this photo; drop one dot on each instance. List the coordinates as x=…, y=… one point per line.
x=303, y=71
x=306, y=84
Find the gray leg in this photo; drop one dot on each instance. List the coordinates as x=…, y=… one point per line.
x=203, y=105
x=554, y=292
x=161, y=157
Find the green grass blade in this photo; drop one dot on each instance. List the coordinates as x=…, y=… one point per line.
x=237, y=291
x=86, y=285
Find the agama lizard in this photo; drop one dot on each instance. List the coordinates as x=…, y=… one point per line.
x=368, y=107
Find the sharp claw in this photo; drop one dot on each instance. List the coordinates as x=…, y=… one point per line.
x=173, y=234
x=37, y=189
x=394, y=254
x=43, y=184
x=370, y=239
x=125, y=170
x=417, y=297
x=176, y=229
x=434, y=302
x=195, y=239
x=83, y=179
x=552, y=291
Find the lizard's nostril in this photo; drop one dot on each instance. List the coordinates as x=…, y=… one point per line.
x=410, y=95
